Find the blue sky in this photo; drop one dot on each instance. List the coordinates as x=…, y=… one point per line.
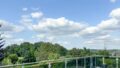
x=71, y=23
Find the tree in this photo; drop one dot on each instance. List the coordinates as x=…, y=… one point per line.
x=60, y=49
x=24, y=48
x=52, y=56
x=13, y=49
x=47, y=50
x=103, y=52
x=86, y=52
x=29, y=57
x=1, y=45
x=13, y=58
x=74, y=52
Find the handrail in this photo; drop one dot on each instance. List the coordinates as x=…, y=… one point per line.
x=57, y=60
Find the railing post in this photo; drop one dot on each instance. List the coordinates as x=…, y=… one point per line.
x=65, y=63
x=91, y=62
x=49, y=65
x=117, y=62
x=22, y=65
x=103, y=59
x=95, y=61
x=84, y=62
x=76, y=63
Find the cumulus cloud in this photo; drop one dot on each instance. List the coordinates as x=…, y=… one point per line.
x=115, y=13
x=101, y=34
x=103, y=40
x=90, y=31
x=113, y=23
x=19, y=40
x=9, y=27
x=64, y=27
x=37, y=15
x=6, y=36
x=8, y=31
x=40, y=36
x=104, y=37
x=59, y=26
x=16, y=41
x=113, y=1
x=26, y=21
x=51, y=26
x=44, y=37
x=105, y=26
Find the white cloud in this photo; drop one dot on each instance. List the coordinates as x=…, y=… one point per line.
x=40, y=36
x=113, y=23
x=104, y=37
x=9, y=30
x=59, y=26
x=19, y=40
x=9, y=27
x=89, y=31
x=103, y=40
x=113, y=1
x=24, y=9
x=15, y=41
x=6, y=36
x=50, y=28
x=37, y=15
x=50, y=38
x=115, y=13
x=26, y=21
x=44, y=37
x=106, y=26
x=101, y=34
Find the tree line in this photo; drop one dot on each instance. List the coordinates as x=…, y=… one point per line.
x=31, y=52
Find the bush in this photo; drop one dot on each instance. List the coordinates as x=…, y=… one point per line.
x=13, y=58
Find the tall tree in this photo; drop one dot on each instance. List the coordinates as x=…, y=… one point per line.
x=1, y=45
x=49, y=51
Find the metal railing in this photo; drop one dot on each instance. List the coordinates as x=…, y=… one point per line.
x=77, y=62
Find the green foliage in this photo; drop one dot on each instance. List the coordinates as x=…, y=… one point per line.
x=110, y=62
x=86, y=52
x=46, y=50
x=53, y=56
x=27, y=52
x=13, y=49
x=6, y=61
x=59, y=64
x=13, y=58
x=79, y=52
x=25, y=48
x=37, y=51
x=29, y=57
x=74, y=52
x=103, y=52
x=20, y=59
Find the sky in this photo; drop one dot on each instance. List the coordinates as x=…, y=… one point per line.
x=92, y=24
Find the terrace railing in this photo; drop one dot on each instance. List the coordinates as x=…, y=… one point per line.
x=76, y=62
